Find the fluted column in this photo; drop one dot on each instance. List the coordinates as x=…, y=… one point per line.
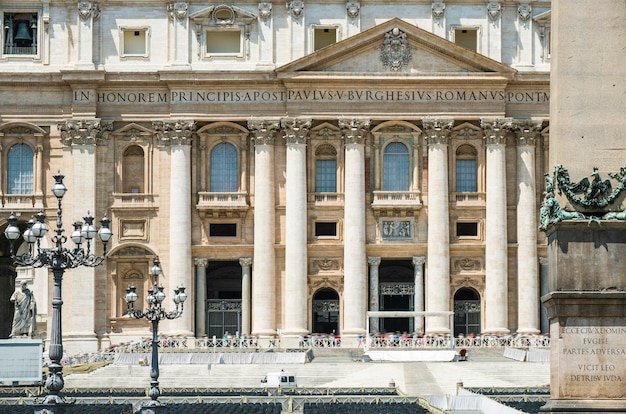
x=200, y=292
x=374, y=263
x=296, y=133
x=527, y=274
x=418, y=265
x=354, y=260
x=437, y=133
x=245, y=263
x=264, y=273
x=81, y=138
x=177, y=136
x=496, y=286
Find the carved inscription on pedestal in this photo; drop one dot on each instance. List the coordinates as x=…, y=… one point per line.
x=592, y=357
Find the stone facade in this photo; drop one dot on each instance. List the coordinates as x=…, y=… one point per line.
x=293, y=164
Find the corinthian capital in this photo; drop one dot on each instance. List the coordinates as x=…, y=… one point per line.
x=354, y=129
x=263, y=130
x=437, y=130
x=495, y=129
x=85, y=131
x=526, y=130
x=296, y=129
x=174, y=132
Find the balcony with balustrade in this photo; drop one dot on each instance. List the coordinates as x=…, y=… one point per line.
x=222, y=203
x=326, y=199
x=468, y=199
x=134, y=201
x=403, y=203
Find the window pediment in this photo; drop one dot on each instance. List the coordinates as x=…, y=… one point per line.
x=222, y=15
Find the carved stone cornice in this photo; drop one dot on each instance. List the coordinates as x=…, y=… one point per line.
x=524, y=11
x=177, y=10
x=373, y=260
x=419, y=260
x=85, y=131
x=295, y=8
x=296, y=130
x=174, y=132
x=438, y=8
x=201, y=262
x=87, y=9
x=354, y=130
x=265, y=10
x=353, y=8
x=395, y=51
x=245, y=261
x=495, y=130
x=493, y=10
x=263, y=130
x=526, y=130
x=437, y=130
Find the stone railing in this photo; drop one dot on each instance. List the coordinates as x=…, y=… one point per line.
x=134, y=200
x=468, y=199
x=222, y=200
x=403, y=198
x=326, y=199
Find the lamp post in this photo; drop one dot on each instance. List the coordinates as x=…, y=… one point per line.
x=155, y=313
x=57, y=258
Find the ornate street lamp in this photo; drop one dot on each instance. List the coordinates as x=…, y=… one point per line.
x=57, y=258
x=154, y=314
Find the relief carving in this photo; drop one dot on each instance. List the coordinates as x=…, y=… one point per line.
x=524, y=11
x=395, y=51
x=177, y=10
x=493, y=10
x=295, y=7
x=438, y=8
x=353, y=8
x=265, y=10
x=467, y=265
x=88, y=9
x=325, y=265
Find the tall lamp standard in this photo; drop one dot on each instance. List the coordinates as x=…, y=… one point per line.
x=57, y=258
x=154, y=314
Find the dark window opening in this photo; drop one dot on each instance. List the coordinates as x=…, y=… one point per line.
x=223, y=230
x=325, y=229
x=467, y=229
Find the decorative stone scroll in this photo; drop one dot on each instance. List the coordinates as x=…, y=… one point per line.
x=263, y=130
x=395, y=51
x=296, y=129
x=174, y=132
x=353, y=8
x=437, y=130
x=265, y=10
x=177, y=10
x=354, y=130
x=493, y=10
x=85, y=131
x=438, y=8
x=87, y=9
x=295, y=8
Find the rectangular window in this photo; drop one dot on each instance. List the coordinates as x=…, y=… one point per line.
x=466, y=176
x=324, y=36
x=326, y=176
x=134, y=42
x=20, y=33
x=466, y=229
x=223, y=42
x=325, y=229
x=468, y=38
x=223, y=229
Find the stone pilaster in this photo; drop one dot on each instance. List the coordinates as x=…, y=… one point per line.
x=246, y=263
x=437, y=133
x=354, y=132
x=374, y=263
x=266, y=30
x=496, y=286
x=494, y=30
x=88, y=14
x=418, y=273
x=200, y=296
x=296, y=134
x=179, y=16
x=177, y=136
x=264, y=275
x=527, y=275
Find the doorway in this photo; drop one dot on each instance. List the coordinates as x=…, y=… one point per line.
x=467, y=313
x=325, y=306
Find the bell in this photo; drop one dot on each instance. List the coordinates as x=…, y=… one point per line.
x=22, y=32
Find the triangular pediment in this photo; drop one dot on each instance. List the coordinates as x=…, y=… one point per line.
x=383, y=48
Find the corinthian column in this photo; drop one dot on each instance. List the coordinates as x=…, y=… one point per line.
x=264, y=272
x=418, y=264
x=374, y=263
x=527, y=275
x=437, y=133
x=201, y=265
x=296, y=134
x=354, y=260
x=81, y=138
x=177, y=136
x=496, y=287
x=245, y=263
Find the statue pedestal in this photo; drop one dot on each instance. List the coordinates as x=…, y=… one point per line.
x=587, y=311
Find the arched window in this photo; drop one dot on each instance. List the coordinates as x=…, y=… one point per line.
x=133, y=170
x=20, y=170
x=466, y=169
x=396, y=167
x=224, y=169
x=326, y=169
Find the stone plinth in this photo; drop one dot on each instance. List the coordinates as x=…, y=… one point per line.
x=587, y=312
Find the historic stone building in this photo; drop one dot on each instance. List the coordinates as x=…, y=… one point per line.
x=293, y=164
